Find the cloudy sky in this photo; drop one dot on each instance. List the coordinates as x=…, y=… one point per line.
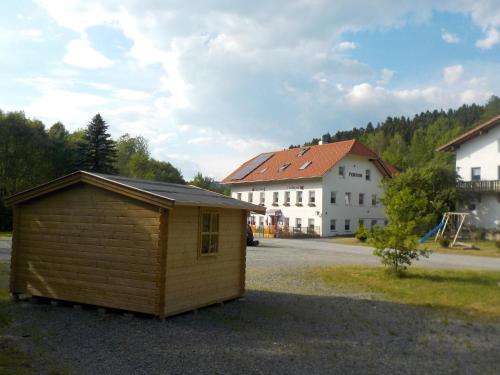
x=211, y=83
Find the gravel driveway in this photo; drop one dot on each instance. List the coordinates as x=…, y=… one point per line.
x=284, y=325
x=316, y=252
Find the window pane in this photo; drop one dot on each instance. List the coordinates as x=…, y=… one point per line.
x=205, y=243
x=205, y=226
x=214, y=243
x=215, y=222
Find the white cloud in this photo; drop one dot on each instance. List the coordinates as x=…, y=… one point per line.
x=492, y=38
x=449, y=37
x=452, y=74
x=385, y=76
x=81, y=54
x=343, y=46
x=232, y=79
x=34, y=35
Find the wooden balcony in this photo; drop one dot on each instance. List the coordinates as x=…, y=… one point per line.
x=492, y=186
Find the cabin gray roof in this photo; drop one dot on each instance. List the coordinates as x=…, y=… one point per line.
x=169, y=193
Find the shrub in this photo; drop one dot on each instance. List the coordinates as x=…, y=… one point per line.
x=479, y=234
x=497, y=244
x=444, y=241
x=362, y=234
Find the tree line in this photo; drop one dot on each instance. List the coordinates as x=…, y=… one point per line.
x=31, y=154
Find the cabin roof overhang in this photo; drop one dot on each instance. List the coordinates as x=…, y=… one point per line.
x=133, y=192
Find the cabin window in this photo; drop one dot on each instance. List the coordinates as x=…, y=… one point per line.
x=368, y=175
x=475, y=174
x=361, y=199
x=333, y=224
x=333, y=197
x=209, y=241
x=250, y=197
x=341, y=171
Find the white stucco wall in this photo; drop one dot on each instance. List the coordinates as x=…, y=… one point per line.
x=481, y=151
x=356, y=165
x=305, y=212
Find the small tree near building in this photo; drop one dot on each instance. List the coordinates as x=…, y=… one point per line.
x=397, y=244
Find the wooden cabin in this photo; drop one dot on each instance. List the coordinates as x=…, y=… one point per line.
x=117, y=242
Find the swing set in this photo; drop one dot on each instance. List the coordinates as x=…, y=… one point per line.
x=451, y=226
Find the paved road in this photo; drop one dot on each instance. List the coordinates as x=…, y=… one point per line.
x=275, y=252
x=5, y=249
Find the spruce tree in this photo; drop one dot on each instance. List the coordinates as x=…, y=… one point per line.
x=97, y=150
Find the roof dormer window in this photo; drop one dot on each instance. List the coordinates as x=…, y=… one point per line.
x=263, y=170
x=305, y=165
x=303, y=151
x=283, y=167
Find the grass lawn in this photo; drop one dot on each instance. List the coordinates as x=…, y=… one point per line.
x=473, y=294
x=5, y=234
x=486, y=248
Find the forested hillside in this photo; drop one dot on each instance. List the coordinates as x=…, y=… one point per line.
x=411, y=142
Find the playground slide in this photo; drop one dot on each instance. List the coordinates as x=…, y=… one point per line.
x=430, y=233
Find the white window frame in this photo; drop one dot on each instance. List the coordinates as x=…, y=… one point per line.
x=334, y=222
x=312, y=198
x=276, y=198
x=333, y=197
x=348, y=198
x=361, y=199
x=299, y=193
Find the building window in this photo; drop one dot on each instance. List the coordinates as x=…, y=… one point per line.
x=475, y=174
x=305, y=165
x=298, y=222
x=275, y=198
x=299, y=198
x=341, y=171
x=386, y=222
x=238, y=196
x=333, y=197
x=209, y=233
x=499, y=172
x=310, y=224
x=361, y=199
x=287, y=198
x=347, y=225
x=287, y=221
x=372, y=226
x=250, y=197
x=374, y=199
x=261, y=221
x=347, y=199
x=333, y=224
x=361, y=223
x=368, y=175
x=262, y=200
x=312, y=198
x=283, y=167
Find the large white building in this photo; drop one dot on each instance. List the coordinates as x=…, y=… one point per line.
x=478, y=165
x=327, y=189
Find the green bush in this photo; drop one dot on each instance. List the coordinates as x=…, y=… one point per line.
x=444, y=241
x=362, y=234
x=479, y=234
x=497, y=244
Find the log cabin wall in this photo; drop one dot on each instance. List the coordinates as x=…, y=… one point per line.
x=88, y=245
x=194, y=280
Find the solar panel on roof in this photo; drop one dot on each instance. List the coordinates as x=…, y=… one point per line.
x=254, y=164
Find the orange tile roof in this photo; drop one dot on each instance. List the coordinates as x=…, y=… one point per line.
x=322, y=158
x=453, y=144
